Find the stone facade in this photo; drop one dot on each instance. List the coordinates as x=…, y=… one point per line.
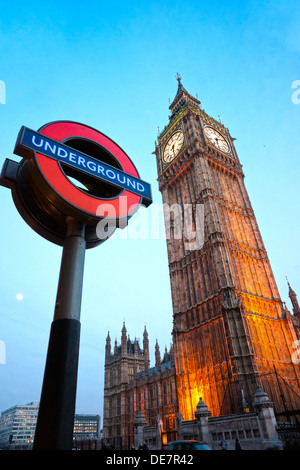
x=132, y=387
x=232, y=333
x=255, y=430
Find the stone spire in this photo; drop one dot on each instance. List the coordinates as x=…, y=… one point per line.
x=166, y=355
x=108, y=347
x=157, y=357
x=146, y=351
x=182, y=99
x=124, y=339
x=294, y=300
x=172, y=357
x=135, y=346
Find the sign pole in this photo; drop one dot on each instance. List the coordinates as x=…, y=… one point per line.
x=42, y=192
x=54, y=429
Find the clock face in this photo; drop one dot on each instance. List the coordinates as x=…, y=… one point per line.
x=173, y=147
x=217, y=139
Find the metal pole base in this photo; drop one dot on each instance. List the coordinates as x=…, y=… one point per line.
x=54, y=430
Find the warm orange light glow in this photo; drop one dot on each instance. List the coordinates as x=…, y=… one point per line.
x=207, y=370
x=231, y=331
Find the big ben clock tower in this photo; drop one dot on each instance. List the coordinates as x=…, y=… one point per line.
x=231, y=331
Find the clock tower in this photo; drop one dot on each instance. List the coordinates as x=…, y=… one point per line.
x=231, y=331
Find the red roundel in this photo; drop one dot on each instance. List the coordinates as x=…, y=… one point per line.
x=52, y=172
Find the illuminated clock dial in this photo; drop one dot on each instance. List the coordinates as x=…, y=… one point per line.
x=217, y=139
x=173, y=147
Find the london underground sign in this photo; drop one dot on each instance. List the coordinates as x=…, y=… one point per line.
x=41, y=144
x=70, y=178
x=70, y=169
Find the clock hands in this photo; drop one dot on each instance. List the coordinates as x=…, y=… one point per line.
x=172, y=150
x=218, y=142
x=173, y=146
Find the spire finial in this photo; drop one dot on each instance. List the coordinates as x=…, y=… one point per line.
x=178, y=77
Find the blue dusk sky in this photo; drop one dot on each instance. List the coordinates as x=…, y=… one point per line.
x=112, y=66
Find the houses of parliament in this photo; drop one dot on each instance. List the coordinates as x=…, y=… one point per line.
x=232, y=333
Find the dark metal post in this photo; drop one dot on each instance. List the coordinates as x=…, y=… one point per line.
x=54, y=429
